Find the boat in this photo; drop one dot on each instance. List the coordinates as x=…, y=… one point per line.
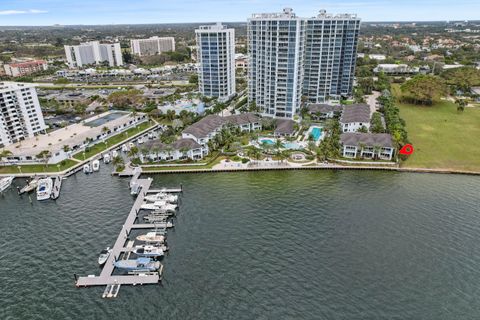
x=138, y=265
x=103, y=257
x=160, y=222
x=125, y=148
x=151, y=237
x=114, y=154
x=87, y=168
x=162, y=197
x=5, y=183
x=106, y=158
x=44, y=189
x=32, y=185
x=95, y=165
x=135, y=189
x=148, y=251
x=159, y=205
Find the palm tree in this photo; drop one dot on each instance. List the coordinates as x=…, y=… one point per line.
x=155, y=151
x=118, y=162
x=4, y=154
x=132, y=153
x=279, y=145
x=45, y=155
x=376, y=152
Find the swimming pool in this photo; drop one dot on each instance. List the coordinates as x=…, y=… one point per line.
x=267, y=141
x=106, y=118
x=316, y=132
x=292, y=146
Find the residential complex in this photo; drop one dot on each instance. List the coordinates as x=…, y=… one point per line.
x=367, y=145
x=152, y=45
x=20, y=69
x=20, y=113
x=330, y=56
x=94, y=52
x=216, y=56
x=291, y=56
x=354, y=117
x=275, y=73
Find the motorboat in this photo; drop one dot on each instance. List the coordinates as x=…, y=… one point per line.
x=161, y=223
x=5, y=183
x=44, y=188
x=87, y=168
x=139, y=265
x=114, y=154
x=95, y=165
x=151, y=237
x=159, y=205
x=162, y=197
x=135, y=189
x=148, y=251
x=103, y=257
x=32, y=185
x=107, y=158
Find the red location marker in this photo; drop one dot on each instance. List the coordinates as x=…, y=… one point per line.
x=406, y=149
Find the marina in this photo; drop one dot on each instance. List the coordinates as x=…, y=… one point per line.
x=141, y=270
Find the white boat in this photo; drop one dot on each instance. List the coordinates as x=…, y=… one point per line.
x=138, y=265
x=5, y=183
x=148, y=251
x=159, y=205
x=161, y=224
x=87, y=168
x=32, y=185
x=162, y=197
x=44, y=189
x=107, y=158
x=103, y=257
x=151, y=237
x=114, y=154
x=135, y=189
x=95, y=165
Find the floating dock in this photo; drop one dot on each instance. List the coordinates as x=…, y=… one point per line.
x=123, y=245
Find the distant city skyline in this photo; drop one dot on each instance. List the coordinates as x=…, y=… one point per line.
x=88, y=12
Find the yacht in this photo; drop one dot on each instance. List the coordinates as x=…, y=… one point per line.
x=138, y=265
x=44, y=188
x=162, y=197
x=95, y=165
x=160, y=222
x=87, y=168
x=107, y=158
x=5, y=183
x=103, y=257
x=148, y=251
x=151, y=237
x=159, y=205
x=30, y=186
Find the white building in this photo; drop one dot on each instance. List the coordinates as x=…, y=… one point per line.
x=354, y=117
x=94, y=52
x=19, y=69
x=216, y=56
x=152, y=45
x=367, y=145
x=20, y=113
x=275, y=73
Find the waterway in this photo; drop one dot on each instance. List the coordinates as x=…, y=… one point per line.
x=260, y=245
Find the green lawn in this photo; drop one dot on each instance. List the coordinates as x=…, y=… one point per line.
x=37, y=168
x=206, y=166
x=442, y=136
x=99, y=147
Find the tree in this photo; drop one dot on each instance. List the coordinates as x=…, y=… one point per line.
x=461, y=104
x=193, y=79
x=279, y=145
x=132, y=153
x=363, y=129
x=118, y=162
x=462, y=78
x=177, y=124
x=4, y=154
x=44, y=155
x=376, y=125
x=424, y=89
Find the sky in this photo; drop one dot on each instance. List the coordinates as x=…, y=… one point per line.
x=67, y=12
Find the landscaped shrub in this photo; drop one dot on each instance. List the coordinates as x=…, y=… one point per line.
x=245, y=160
x=236, y=158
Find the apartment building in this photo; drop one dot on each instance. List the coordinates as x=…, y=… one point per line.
x=216, y=58
x=291, y=56
x=94, y=52
x=20, y=113
x=20, y=69
x=152, y=45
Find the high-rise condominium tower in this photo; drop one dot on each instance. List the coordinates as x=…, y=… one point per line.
x=291, y=57
x=216, y=56
x=275, y=49
x=94, y=53
x=330, y=56
x=20, y=113
x=152, y=45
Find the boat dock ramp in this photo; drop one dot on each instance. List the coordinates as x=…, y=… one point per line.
x=123, y=247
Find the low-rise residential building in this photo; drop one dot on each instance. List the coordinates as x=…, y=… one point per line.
x=208, y=127
x=284, y=128
x=354, y=117
x=319, y=111
x=367, y=145
x=181, y=149
x=21, y=69
x=62, y=143
x=396, y=69
x=152, y=45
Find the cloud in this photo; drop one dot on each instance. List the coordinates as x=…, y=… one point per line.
x=12, y=12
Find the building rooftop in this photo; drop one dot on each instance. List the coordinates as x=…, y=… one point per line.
x=367, y=139
x=211, y=123
x=179, y=144
x=356, y=113
x=323, y=108
x=285, y=126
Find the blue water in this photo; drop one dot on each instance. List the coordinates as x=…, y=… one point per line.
x=107, y=118
x=292, y=146
x=267, y=141
x=316, y=133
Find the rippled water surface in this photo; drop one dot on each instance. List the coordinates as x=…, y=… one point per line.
x=272, y=245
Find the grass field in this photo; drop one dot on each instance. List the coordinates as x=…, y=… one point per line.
x=442, y=136
x=37, y=168
x=99, y=147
